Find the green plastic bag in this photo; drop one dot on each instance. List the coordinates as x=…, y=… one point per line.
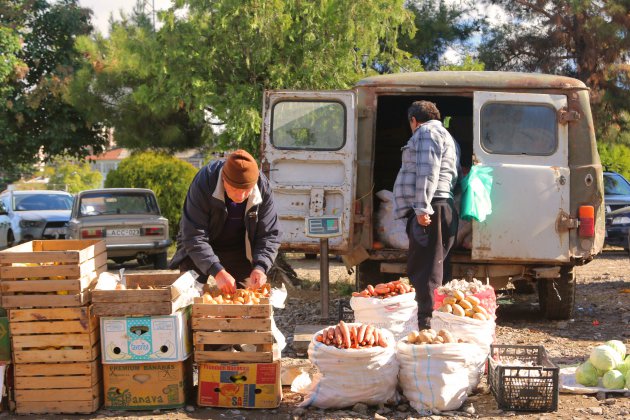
x=476, y=188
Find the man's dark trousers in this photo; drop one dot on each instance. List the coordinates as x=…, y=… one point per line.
x=429, y=247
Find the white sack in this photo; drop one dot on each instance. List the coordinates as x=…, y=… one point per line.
x=350, y=376
x=389, y=230
x=398, y=314
x=475, y=331
x=438, y=376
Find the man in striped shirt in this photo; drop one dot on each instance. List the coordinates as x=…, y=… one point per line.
x=423, y=193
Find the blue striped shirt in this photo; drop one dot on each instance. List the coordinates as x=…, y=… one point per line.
x=428, y=171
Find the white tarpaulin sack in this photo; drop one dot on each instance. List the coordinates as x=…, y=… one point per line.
x=438, y=376
x=389, y=230
x=350, y=376
x=398, y=314
x=475, y=331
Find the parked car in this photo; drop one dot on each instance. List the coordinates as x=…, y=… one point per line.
x=617, y=202
x=128, y=219
x=37, y=214
x=5, y=225
x=328, y=153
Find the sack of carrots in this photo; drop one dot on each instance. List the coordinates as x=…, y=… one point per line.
x=356, y=363
x=387, y=305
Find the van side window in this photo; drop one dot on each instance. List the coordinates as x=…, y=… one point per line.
x=308, y=125
x=518, y=129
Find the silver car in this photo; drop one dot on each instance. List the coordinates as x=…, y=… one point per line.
x=129, y=221
x=36, y=214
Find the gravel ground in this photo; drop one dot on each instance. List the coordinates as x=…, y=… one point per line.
x=602, y=313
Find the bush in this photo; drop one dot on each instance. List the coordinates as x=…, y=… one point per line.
x=167, y=176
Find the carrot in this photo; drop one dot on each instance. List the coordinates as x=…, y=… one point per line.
x=369, y=334
x=361, y=334
x=330, y=332
x=377, y=334
x=354, y=331
x=338, y=336
x=370, y=290
x=345, y=332
x=355, y=294
x=381, y=341
x=319, y=338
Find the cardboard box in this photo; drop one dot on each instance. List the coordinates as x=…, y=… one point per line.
x=147, y=386
x=146, y=339
x=246, y=385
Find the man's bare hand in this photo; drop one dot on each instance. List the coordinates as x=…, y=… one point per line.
x=423, y=219
x=257, y=278
x=225, y=282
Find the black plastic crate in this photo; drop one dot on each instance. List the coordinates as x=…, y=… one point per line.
x=523, y=388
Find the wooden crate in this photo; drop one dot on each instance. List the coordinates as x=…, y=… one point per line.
x=54, y=273
x=215, y=325
x=54, y=335
x=58, y=387
x=161, y=300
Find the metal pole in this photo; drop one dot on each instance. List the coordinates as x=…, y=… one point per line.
x=324, y=281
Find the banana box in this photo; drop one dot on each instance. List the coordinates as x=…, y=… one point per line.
x=147, y=386
x=240, y=385
x=164, y=338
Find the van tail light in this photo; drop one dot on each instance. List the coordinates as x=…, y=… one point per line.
x=153, y=231
x=587, y=221
x=92, y=233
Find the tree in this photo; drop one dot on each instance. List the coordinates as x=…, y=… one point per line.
x=440, y=26
x=67, y=174
x=586, y=39
x=35, y=120
x=167, y=176
x=119, y=84
x=212, y=63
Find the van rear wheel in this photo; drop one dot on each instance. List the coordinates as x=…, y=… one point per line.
x=556, y=297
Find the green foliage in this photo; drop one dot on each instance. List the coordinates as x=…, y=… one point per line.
x=440, y=26
x=615, y=158
x=167, y=176
x=586, y=39
x=34, y=116
x=468, y=64
x=72, y=176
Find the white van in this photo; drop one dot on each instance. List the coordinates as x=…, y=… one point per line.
x=328, y=153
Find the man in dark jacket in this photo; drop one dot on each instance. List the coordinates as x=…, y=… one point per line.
x=229, y=225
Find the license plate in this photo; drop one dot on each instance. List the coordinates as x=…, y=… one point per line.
x=55, y=231
x=123, y=232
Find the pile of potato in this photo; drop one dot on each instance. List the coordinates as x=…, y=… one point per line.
x=464, y=305
x=430, y=336
x=385, y=290
x=240, y=297
x=344, y=336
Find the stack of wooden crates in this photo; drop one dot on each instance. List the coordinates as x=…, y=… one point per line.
x=54, y=334
x=145, y=341
x=229, y=376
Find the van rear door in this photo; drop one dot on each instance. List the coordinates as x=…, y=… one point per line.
x=309, y=148
x=521, y=138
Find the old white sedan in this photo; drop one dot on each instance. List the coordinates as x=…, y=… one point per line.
x=128, y=219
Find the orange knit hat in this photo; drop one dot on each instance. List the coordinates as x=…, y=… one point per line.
x=240, y=170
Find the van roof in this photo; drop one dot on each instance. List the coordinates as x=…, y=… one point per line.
x=475, y=79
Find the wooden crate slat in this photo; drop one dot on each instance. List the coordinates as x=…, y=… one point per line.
x=26, y=301
x=204, y=337
x=21, y=342
x=66, y=251
x=49, y=356
x=233, y=357
x=155, y=279
x=131, y=296
x=52, y=327
x=69, y=270
x=131, y=309
x=231, y=324
x=33, y=286
x=57, y=407
x=60, y=382
x=206, y=310
x=48, y=314
x=55, y=369
x=74, y=394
